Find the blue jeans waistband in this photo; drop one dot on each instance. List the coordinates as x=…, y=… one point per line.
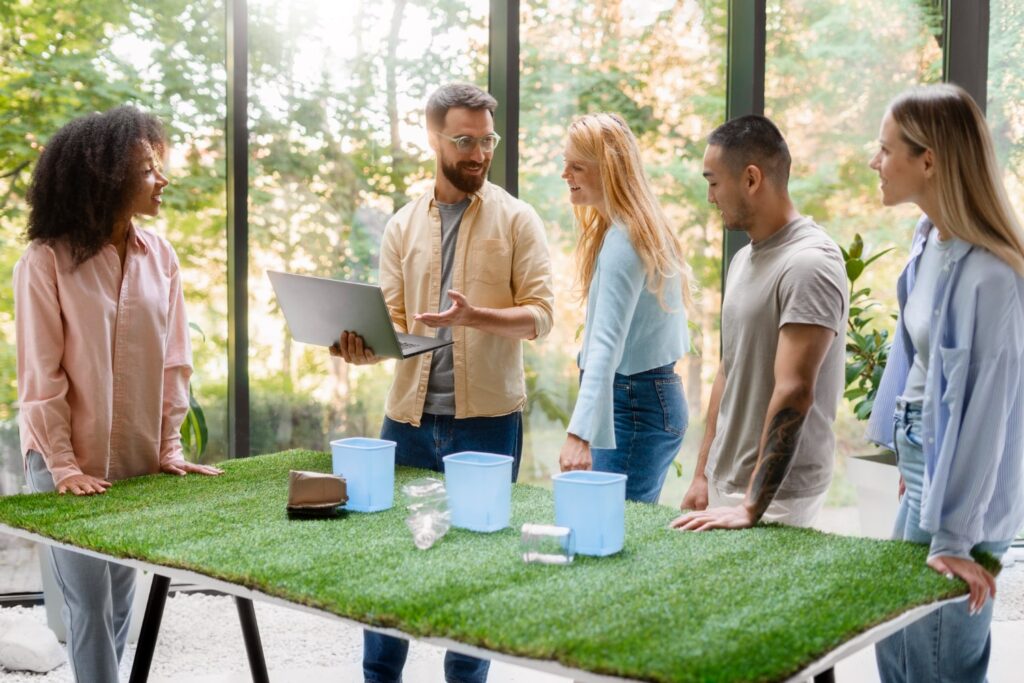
x=907, y=412
x=653, y=373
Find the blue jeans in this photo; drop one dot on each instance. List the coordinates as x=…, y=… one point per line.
x=650, y=420
x=947, y=645
x=97, y=597
x=425, y=446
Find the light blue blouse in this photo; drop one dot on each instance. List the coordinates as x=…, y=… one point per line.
x=973, y=412
x=627, y=331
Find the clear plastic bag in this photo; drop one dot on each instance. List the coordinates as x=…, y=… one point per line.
x=429, y=518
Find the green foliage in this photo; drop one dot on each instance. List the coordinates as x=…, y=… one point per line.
x=634, y=615
x=194, y=433
x=867, y=346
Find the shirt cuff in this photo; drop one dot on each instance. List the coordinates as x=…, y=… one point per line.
x=945, y=544
x=170, y=452
x=541, y=322
x=61, y=467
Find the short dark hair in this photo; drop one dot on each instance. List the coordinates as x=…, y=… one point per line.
x=754, y=140
x=457, y=95
x=84, y=178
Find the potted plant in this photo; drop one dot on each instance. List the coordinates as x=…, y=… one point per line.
x=867, y=349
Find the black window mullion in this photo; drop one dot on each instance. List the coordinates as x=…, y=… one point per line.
x=237, y=135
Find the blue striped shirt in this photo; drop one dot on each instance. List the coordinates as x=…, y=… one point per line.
x=973, y=412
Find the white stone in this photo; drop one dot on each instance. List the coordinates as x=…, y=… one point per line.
x=27, y=645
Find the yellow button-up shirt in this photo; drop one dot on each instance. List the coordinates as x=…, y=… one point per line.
x=501, y=260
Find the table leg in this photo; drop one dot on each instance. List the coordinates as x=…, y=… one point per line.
x=253, y=646
x=150, y=628
x=827, y=676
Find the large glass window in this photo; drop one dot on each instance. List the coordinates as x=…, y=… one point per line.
x=1005, y=110
x=60, y=60
x=831, y=69
x=661, y=65
x=1006, y=94
x=338, y=144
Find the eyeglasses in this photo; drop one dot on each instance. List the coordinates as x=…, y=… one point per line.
x=466, y=143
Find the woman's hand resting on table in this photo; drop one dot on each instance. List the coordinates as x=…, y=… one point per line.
x=978, y=579
x=182, y=467
x=83, y=485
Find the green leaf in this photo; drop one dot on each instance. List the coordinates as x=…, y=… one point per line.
x=854, y=268
x=857, y=247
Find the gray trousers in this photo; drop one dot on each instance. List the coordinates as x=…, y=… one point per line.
x=97, y=599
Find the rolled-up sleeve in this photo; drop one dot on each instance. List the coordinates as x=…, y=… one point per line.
x=44, y=413
x=177, y=372
x=531, y=272
x=392, y=278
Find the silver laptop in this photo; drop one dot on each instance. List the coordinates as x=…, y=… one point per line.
x=319, y=309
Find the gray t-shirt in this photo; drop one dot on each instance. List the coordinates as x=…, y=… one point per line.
x=795, y=276
x=918, y=316
x=440, y=398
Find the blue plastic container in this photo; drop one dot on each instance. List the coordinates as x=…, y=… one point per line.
x=479, y=490
x=593, y=505
x=368, y=466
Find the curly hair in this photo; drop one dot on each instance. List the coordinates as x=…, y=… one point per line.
x=85, y=177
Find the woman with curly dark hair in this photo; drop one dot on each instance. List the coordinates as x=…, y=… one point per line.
x=103, y=350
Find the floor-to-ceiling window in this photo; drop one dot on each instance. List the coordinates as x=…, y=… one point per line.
x=661, y=65
x=337, y=144
x=1006, y=97
x=60, y=60
x=831, y=69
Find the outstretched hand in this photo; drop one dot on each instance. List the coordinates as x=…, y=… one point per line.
x=181, y=468
x=459, y=313
x=736, y=517
x=83, y=485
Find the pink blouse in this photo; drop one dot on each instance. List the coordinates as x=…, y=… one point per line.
x=104, y=358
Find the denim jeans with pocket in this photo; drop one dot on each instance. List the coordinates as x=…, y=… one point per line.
x=947, y=645
x=650, y=420
x=425, y=446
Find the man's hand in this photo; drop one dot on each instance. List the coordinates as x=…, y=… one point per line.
x=738, y=517
x=83, y=485
x=350, y=347
x=459, y=313
x=696, y=497
x=575, y=454
x=978, y=579
x=181, y=468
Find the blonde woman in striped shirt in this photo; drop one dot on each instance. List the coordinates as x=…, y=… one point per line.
x=951, y=400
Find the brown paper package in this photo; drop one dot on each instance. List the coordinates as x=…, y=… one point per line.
x=315, y=489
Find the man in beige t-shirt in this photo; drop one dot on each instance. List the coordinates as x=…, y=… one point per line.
x=768, y=444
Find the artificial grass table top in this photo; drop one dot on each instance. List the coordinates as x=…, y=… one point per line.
x=754, y=605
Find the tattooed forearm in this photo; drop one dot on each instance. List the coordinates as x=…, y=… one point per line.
x=779, y=447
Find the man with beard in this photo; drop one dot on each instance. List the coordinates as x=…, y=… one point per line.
x=768, y=444
x=471, y=261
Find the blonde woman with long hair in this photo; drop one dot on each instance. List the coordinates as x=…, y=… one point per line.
x=631, y=414
x=953, y=380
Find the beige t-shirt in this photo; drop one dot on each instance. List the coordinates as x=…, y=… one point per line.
x=795, y=276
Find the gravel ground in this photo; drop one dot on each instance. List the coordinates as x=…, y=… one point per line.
x=200, y=642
